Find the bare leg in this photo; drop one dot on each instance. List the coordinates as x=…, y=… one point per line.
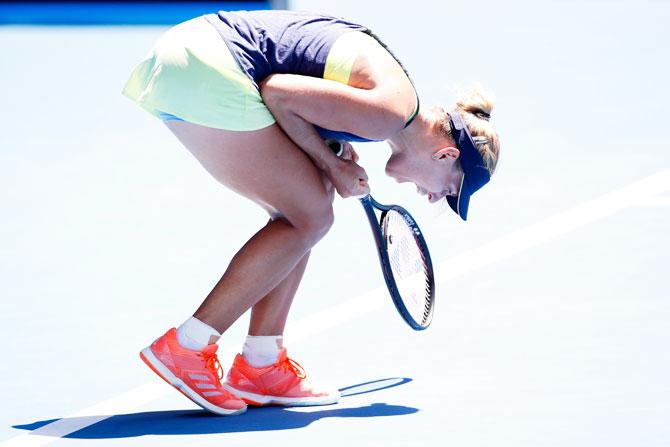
x=266, y=167
x=260, y=265
x=268, y=316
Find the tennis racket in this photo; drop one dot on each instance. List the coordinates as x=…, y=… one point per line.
x=404, y=258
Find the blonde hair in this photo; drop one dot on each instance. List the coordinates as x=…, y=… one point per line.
x=475, y=106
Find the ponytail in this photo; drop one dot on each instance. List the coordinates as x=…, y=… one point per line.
x=475, y=106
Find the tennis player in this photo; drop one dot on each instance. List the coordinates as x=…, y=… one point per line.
x=255, y=96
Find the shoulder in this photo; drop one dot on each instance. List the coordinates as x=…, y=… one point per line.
x=377, y=69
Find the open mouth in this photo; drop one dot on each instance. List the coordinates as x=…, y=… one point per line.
x=432, y=197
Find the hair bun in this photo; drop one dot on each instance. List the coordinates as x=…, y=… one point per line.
x=482, y=115
x=476, y=101
x=475, y=105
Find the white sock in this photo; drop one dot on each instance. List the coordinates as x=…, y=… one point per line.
x=262, y=350
x=195, y=335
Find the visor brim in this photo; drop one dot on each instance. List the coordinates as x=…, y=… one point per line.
x=459, y=204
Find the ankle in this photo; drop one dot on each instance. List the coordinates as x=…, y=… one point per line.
x=195, y=335
x=262, y=350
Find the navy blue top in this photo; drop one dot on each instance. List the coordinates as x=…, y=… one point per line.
x=267, y=42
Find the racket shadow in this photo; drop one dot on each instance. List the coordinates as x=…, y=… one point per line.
x=373, y=385
x=198, y=422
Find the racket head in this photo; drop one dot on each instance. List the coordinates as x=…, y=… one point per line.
x=406, y=263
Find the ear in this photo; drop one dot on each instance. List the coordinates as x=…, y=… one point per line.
x=448, y=152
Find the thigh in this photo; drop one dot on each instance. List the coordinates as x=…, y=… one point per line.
x=263, y=165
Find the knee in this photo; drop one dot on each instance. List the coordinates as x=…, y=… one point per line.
x=314, y=225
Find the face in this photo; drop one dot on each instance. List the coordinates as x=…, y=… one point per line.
x=435, y=171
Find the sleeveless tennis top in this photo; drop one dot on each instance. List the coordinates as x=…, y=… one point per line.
x=291, y=42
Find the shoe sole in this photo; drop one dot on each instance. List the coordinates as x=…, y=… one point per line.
x=164, y=373
x=262, y=399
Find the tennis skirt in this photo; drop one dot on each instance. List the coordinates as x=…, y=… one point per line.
x=191, y=75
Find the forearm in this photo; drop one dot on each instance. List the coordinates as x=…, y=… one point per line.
x=373, y=113
x=302, y=133
x=293, y=114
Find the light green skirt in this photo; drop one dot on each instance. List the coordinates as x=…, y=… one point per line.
x=190, y=73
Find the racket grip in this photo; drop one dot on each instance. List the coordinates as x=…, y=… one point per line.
x=336, y=146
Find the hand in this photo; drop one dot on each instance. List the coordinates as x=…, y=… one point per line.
x=349, y=152
x=330, y=188
x=343, y=149
x=349, y=179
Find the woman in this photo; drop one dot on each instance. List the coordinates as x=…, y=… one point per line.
x=254, y=96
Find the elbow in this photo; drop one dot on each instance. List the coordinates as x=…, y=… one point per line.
x=270, y=92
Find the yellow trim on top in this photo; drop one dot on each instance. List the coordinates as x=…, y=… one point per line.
x=342, y=55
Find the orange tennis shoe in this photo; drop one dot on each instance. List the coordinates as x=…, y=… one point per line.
x=196, y=374
x=284, y=383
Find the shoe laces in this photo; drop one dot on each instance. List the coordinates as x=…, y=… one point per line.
x=294, y=367
x=213, y=365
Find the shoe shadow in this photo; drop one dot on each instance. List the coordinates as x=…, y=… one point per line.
x=195, y=422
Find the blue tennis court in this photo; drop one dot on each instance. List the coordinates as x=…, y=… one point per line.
x=552, y=307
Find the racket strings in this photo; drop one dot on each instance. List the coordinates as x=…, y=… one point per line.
x=409, y=266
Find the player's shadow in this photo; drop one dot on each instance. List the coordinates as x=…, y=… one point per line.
x=196, y=422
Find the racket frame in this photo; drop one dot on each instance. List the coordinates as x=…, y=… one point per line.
x=369, y=205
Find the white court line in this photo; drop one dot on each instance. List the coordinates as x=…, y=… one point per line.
x=640, y=192
x=501, y=248
x=652, y=201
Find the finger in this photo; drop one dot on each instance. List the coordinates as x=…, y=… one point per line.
x=351, y=153
x=354, y=156
x=362, y=174
x=343, y=194
x=362, y=191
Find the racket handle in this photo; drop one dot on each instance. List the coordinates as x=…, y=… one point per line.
x=336, y=146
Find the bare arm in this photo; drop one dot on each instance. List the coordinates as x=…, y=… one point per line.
x=298, y=102
x=371, y=113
